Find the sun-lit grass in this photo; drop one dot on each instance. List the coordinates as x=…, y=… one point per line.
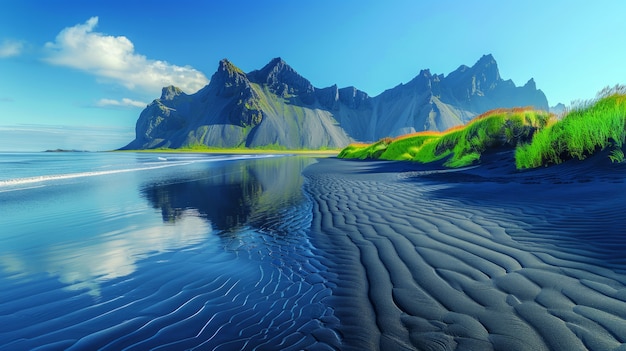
x=537, y=137
x=407, y=148
x=594, y=126
x=365, y=151
x=461, y=145
x=497, y=129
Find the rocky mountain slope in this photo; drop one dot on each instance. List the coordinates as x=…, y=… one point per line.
x=277, y=107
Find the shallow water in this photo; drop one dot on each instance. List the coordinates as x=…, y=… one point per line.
x=148, y=251
x=182, y=251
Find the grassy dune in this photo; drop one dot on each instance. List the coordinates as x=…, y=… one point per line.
x=538, y=138
x=460, y=146
x=584, y=131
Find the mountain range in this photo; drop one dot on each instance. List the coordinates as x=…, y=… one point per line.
x=276, y=107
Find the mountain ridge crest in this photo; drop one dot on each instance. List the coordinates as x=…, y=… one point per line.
x=275, y=105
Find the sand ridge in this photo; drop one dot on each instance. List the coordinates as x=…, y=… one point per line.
x=479, y=259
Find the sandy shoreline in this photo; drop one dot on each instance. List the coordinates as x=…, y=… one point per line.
x=478, y=259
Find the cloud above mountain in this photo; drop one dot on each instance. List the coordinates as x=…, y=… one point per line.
x=125, y=102
x=113, y=58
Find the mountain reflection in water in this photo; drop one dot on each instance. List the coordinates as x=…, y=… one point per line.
x=250, y=193
x=180, y=252
x=98, y=229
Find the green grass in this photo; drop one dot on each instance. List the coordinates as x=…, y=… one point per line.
x=538, y=139
x=462, y=146
x=499, y=129
x=365, y=152
x=407, y=149
x=585, y=130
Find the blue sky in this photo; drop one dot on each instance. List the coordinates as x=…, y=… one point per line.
x=76, y=74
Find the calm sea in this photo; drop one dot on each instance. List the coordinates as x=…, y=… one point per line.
x=159, y=251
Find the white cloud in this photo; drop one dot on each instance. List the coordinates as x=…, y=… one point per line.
x=115, y=58
x=10, y=48
x=125, y=102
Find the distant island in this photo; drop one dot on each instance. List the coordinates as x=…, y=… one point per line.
x=65, y=150
x=276, y=108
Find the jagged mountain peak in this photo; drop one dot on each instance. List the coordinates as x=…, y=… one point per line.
x=226, y=67
x=486, y=59
x=487, y=67
x=283, y=80
x=531, y=84
x=229, y=79
x=275, y=67
x=170, y=92
x=558, y=109
x=477, y=80
x=425, y=73
x=276, y=105
x=277, y=62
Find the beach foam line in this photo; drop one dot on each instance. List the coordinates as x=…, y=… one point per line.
x=152, y=166
x=18, y=189
x=53, y=177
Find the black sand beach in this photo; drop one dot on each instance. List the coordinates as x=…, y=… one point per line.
x=483, y=258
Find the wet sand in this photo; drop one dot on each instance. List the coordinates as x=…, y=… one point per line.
x=483, y=258
x=206, y=253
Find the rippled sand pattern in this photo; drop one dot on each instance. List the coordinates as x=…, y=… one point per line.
x=430, y=263
x=264, y=290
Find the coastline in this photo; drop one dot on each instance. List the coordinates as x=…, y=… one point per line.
x=477, y=258
x=237, y=151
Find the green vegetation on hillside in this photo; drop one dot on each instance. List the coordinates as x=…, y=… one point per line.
x=594, y=126
x=537, y=137
x=460, y=146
